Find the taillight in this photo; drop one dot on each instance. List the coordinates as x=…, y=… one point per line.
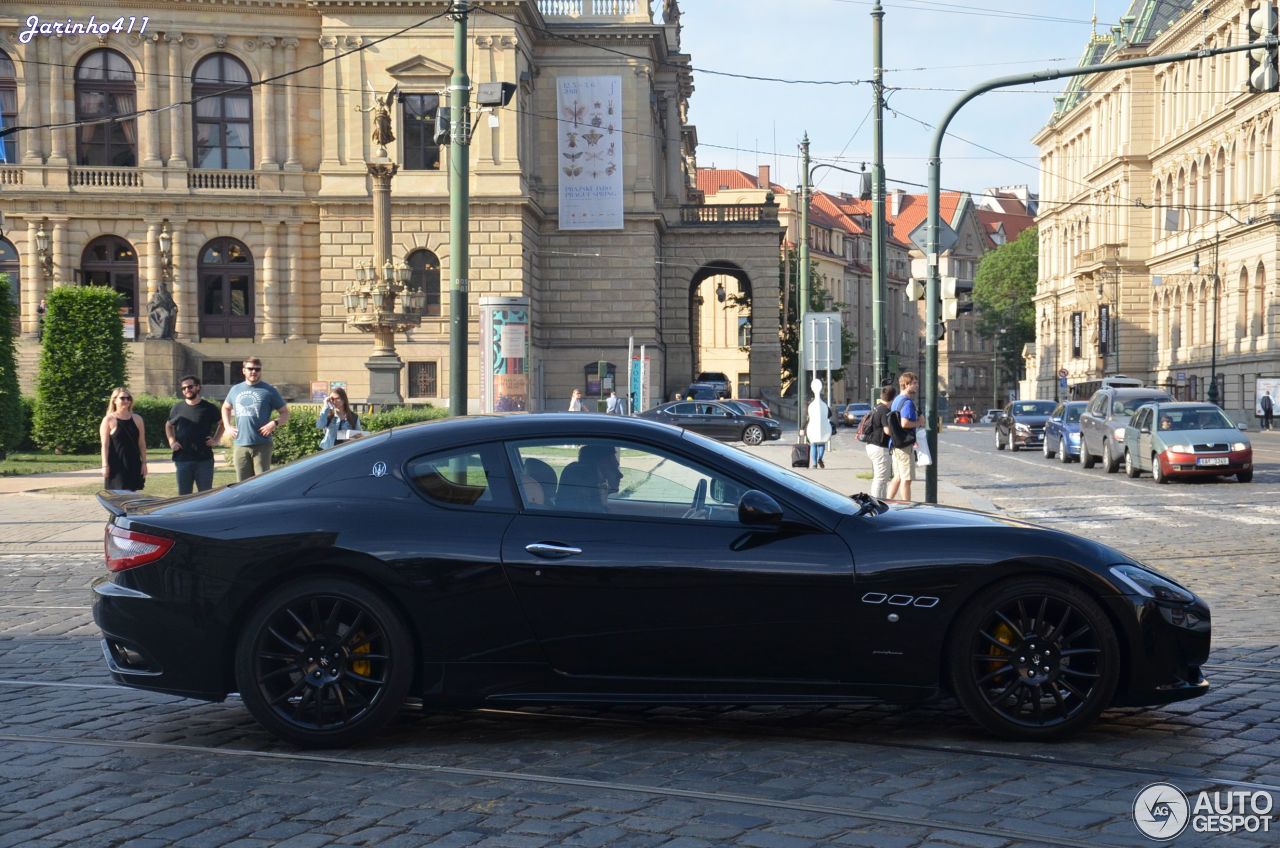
x=128, y=548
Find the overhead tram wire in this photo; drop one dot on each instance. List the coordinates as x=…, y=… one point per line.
x=222, y=92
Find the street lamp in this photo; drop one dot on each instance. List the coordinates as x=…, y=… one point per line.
x=43, y=255
x=1213, y=348
x=166, y=253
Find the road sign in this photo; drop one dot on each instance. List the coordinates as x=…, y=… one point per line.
x=947, y=237
x=1062, y=384
x=915, y=290
x=1062, y=374
x=822, y=341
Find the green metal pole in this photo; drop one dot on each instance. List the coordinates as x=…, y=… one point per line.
x=933, y=307
x=459, y=211
x=803, y=306
x=878, y=286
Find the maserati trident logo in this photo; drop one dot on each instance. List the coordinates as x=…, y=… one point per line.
x=1161, y=811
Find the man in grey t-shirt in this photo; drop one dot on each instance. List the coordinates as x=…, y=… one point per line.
x=246, y=415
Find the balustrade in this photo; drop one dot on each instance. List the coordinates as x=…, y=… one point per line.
x=106, y=177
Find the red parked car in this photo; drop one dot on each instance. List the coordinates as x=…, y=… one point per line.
x=757, y=407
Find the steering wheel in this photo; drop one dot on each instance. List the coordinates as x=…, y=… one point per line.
x=699, y=509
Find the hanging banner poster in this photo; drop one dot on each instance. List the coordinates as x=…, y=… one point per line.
x=504, y=354
x=1077, y=332
x=589, y=157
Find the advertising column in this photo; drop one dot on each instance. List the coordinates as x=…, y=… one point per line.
x=504, y=354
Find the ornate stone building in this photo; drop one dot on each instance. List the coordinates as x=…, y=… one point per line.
x=248, y=152
x=1159, y=212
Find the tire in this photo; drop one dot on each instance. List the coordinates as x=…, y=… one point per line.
x=1131, y=469
x=1013, y=441
x=1064, y=455
x=1157, y=473
x=1245, y=476
x=1048, y=451
x=1086, y=459
x=1006, y=638
x=323, y=662
x=999, y=444
x=1110, y=462
x=753, y=434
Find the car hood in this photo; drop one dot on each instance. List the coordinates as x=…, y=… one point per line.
x=1031, y=420
x=1200, y=437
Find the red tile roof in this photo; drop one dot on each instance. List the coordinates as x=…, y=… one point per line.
x=712, y=180
x=1013, y=224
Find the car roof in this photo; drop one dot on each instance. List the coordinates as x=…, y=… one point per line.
x=1183, y=404
x=1128, y=392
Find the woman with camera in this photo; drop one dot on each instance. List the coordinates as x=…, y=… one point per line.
x=336, y=417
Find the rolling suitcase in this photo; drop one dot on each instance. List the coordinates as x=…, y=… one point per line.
x=800, y=455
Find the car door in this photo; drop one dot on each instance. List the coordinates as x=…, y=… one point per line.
x=1146, y=422
x=645, y=583
x=1053, y=428
x=723, y=421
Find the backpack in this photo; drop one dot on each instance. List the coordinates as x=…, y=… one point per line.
x=903, y=437
x=864, y=427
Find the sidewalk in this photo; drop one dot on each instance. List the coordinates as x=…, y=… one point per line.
x=32, y=483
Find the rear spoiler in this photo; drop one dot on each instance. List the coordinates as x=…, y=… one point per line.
x=118, y=502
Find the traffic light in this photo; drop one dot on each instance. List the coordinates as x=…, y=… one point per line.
x=1263, y=73
x=441, y=133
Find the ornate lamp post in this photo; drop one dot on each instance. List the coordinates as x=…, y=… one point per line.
x=379, y=300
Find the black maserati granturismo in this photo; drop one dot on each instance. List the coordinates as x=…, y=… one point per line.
x=534, y=559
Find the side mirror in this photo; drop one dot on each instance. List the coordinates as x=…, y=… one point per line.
x=1242, y=425
x=756, y=509
x=1145, y=430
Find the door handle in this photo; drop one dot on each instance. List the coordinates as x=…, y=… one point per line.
x=552, y=551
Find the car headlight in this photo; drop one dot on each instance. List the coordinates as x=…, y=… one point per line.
x=1181, y=449
x=1239, y=446
x=1119, y=434
x=1151, y=585
x=1073, y=437
x=1022, y=428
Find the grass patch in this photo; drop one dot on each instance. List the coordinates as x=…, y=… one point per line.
x=864, y=475
x=158, y=485
x=40, y=462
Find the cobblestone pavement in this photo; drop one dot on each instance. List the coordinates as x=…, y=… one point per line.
x=86, y=763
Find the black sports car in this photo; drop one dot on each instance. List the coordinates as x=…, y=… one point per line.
x=560, y=558
x=718, y=420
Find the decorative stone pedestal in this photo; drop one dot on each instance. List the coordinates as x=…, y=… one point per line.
x=384, y=379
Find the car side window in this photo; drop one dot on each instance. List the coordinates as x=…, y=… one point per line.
x=620, y=479
x=471, y=477
x=1057, y=412
x=683, y=409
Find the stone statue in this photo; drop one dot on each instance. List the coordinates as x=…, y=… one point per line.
x=381, y=109
x=162, y=312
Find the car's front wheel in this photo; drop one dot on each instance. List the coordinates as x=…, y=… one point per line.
x=753, y=434
x=1048, y=451
x=1110, y=462
x=999, y=444
x=323, y=662
x=1245, y=476
x=1157, y=472
x=1064, y=455
x=1034, y=659
x=1086, y=459
x=1131, y=469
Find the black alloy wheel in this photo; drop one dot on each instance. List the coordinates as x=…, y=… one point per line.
x=753, y=434
x=323, y=662
x=1034, y=659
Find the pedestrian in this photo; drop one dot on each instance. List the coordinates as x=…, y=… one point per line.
x=1268, y=407
x=575, y=401
x=124, y=444
x=41, y=309
x=193, y=428
x=336, y=417
x=903, y=428
x=614, y=405
x=250, y=404
x=878, y=443
x=817, y=428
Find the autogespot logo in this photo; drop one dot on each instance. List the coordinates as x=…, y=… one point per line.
x=1161, y=811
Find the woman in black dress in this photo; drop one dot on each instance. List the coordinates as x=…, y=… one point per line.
x=124, y=444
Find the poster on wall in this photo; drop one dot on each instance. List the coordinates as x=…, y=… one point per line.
x=504, y=354
x=1104, y=328
x=589, y=154
x=1077, y=331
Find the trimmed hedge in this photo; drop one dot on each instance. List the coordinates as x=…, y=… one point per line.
x=82, y=360
x=28, y=413
x=299, y=437
x=12, y=425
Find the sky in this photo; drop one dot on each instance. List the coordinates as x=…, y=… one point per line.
x=933, y=50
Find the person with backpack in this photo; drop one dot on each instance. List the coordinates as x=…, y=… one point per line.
x=874, y=430
x=904, y=419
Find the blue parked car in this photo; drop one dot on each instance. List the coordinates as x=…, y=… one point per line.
x=1062, y=431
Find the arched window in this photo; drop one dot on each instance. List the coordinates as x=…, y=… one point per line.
x=225, y=269
x=223, y=114
x=8, y=109
x=425, y=276
x=1220, y=178
x=1259, y=299
x=112, y=262
x=10, y=267
x=1242, y=304
x=104, y=89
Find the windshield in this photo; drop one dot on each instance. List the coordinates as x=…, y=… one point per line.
x=1199, y=418
x=1033, y=407
x=1073, y=412
x=784, y=477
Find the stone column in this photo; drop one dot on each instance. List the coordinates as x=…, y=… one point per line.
x=33, y=103
x=269, y=120
x=271, y=304
x=153, y=274
x=297, y=310
x=57, y=102
x=150, y=131
x=184, y=293
x=58, y=246
x=177, y=121
x=331, y=127
x=291, y=162
x=33, y=282
x=675, y=156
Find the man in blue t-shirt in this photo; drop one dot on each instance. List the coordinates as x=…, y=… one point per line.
x=904, y=458
x=246, y=415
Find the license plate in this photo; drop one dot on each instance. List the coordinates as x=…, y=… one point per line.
x=1212, y=460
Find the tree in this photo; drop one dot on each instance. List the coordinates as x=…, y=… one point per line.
x=11, y=419
x=789, y=334
x=82, y=360
x=1003, y=293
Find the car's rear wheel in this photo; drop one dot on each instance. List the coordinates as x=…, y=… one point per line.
x=1048, y=451
x=1245, y=476
x=1157, y=473
x=1034, y=659
x=999, y=444
x=1110, y=462
x=1086, y=459
x=323, y=662
x=753, y=434
x=1131, y=469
